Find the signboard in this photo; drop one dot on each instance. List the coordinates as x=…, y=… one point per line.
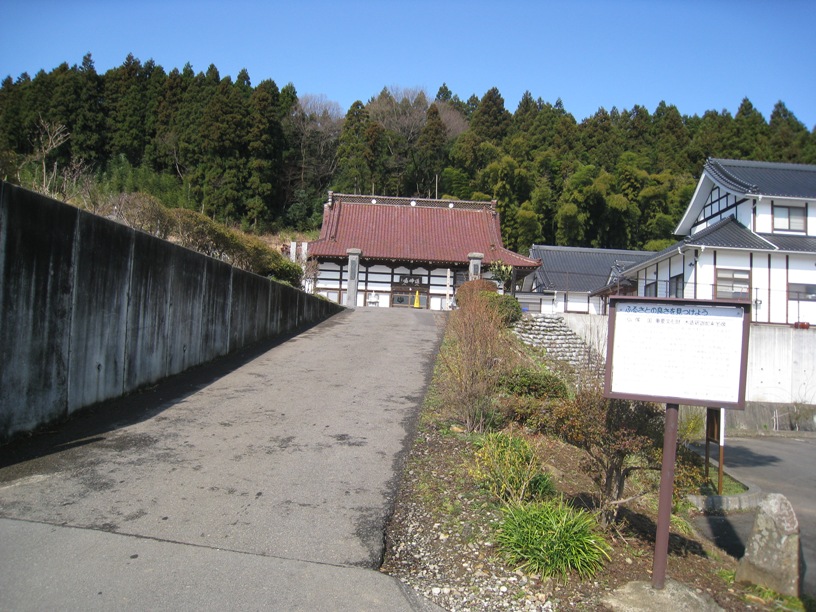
x=715, y=426
x=677, y=351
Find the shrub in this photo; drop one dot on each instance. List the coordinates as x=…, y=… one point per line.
x=467, y=291
x=508, y=307
x=618, y=438
x=551, y=538
x=533, y=382
x=475, y=354
x=200, y=233
x=507, y=466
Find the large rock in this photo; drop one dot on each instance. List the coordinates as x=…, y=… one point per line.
x=772, y=554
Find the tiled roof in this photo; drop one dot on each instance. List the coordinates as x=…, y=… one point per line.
x=416, y=230
x=728, y=233
x=764, y=178
x=786, y=242
x=581, y=269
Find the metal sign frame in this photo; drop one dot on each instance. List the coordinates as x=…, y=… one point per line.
x=681, y=351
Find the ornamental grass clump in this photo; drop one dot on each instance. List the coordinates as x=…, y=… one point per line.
x=551, y=538
x=507, y=466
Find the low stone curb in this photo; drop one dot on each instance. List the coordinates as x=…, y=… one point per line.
x=729, y=503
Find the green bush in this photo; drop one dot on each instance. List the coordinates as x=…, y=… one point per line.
x=551, y=538
x=507, y=466
x=533, y=382
x=508, y=306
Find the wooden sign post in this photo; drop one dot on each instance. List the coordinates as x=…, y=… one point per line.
x=715, y=432
x=676, y=351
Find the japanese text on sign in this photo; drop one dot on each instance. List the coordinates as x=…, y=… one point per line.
x=680, y=351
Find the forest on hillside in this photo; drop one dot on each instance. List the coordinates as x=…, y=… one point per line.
x=262, y=158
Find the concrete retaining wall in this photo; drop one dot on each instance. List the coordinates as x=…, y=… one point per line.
x=91, y=309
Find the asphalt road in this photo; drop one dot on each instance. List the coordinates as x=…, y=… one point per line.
x=778, y=464
x=260, y=482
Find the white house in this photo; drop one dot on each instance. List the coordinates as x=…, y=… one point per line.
x=749, y=233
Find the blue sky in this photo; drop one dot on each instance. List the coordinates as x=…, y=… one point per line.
x=695, y=54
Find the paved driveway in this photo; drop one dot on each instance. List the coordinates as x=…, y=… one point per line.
x=777, y=464
x=293, y=456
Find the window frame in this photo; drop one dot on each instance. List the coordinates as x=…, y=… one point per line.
x=782, y=214
x=801, y=292
x=733, y=278
x=677, y=285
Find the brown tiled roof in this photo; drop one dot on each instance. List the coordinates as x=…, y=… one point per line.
x=417, y=230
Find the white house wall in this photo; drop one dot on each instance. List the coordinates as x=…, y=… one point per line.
x=802, y=270
x=556, y=302
x=763, y=222
x=770, y=275
x=745, y=213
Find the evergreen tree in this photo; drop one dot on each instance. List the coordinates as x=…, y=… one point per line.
x=788, y=135
x=353, y=175
x=750, y=132
x=430, y=157
x=265, y=149
x=671, y=140
x=490, y=120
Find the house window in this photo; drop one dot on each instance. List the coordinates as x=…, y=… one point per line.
x=733, y=284
x=799, y=292
x=789, y=218
x=650, y=289
x=676, y=286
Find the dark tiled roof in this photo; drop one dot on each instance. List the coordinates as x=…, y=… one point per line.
x=764, y=178
x=727, y=233
x=416, y=230
x=786, y=242
x=581, y=269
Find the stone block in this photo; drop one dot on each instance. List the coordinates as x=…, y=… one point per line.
x=772, y=554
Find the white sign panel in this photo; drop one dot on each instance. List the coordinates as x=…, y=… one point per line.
x=678, y=352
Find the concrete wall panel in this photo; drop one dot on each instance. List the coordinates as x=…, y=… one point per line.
x=147, y=330
x=100, y=306
x=213, y=335
x=35, y=319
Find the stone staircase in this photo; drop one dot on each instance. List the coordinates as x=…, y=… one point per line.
x=561, y=344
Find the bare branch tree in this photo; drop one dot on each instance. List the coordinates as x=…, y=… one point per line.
x=49, y=138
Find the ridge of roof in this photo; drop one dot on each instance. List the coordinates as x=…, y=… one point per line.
x=377, y=200
x=716, y=167
x=569, y=249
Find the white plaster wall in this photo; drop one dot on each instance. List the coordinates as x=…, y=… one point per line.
x=764, y=217
x=745, y=213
